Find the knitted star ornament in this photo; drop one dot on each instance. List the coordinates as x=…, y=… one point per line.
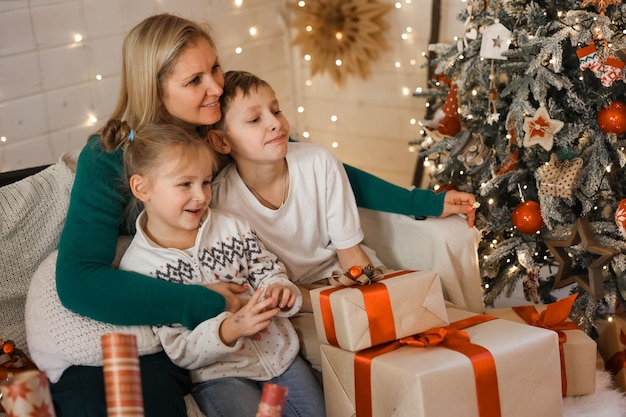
x=540, y=129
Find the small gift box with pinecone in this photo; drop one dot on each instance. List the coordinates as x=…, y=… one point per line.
x=559, y=176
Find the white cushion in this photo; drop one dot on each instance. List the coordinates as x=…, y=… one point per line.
x=32, y=213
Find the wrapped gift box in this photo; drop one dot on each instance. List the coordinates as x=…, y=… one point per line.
x=612, y=347
x=579, y=351
x=401, y=304
x=440, y=381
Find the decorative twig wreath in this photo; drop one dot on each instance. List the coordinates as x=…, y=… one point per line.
x=342, y=37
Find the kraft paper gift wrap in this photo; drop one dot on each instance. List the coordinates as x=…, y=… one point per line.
x=579, y=351
x=612, y=347
x=438, y=381
x=401, y=304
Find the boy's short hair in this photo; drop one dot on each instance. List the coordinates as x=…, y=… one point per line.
x=235, y=81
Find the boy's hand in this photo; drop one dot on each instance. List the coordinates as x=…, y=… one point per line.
x=230, y=292
x=252, y=318
x=281, y=296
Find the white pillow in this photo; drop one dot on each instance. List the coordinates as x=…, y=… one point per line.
x=32, y=213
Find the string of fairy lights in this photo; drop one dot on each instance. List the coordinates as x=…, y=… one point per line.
x=399, y=28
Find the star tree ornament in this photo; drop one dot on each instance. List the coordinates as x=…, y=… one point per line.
x=593, y=281
x=342, y=37
x=540, y=129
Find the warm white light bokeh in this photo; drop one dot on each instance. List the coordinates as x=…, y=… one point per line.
x=60, y=63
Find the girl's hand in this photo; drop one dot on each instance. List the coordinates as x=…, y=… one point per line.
x=230, y=292
x=281, y=296
x=252, y=318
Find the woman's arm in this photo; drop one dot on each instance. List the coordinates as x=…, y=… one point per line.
x=375, y=193
x=88, y=284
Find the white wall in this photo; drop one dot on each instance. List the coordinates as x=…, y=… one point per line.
x=50, y=99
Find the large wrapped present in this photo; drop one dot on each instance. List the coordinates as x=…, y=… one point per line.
x=401, y=304
x=578, y=351
x=478, y=366
x=612, y=347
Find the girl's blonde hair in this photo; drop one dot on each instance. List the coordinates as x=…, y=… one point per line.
x=144, y=150
x=149, y=53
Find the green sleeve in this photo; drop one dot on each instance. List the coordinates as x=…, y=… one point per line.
x=377, y=194
x=88, y=284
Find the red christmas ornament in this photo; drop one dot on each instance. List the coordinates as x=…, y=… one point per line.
x=620, y=218
x=526, y=217
x=612, y=118
x=450, y=124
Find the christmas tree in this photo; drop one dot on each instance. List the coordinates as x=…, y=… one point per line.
x=527, y=112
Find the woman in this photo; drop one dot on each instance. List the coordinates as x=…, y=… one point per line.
x=170, y=74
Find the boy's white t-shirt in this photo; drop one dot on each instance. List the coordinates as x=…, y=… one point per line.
x=319, y=216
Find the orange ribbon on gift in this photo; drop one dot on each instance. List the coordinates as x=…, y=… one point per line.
x=618, y=360
x=450, y=337
x=377, y=306
x=553, y=318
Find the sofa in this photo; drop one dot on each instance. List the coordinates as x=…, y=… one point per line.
x=33, y=204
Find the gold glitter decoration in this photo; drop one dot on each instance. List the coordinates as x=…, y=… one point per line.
x=342, y=37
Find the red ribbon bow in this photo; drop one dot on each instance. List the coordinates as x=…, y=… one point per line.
x=378, y=308
x=451, y=337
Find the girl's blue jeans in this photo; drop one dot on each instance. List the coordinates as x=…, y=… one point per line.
x=228, y=397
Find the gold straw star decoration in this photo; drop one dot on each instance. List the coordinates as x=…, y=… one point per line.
x=341, y=37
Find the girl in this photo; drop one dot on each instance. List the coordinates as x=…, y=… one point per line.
x=178, y=239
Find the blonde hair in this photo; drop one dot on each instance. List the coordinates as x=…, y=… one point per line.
x=149, y=53
x=143, y=149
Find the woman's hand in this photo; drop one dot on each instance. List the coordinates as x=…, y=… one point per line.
x=251, y=319
x=230, y=292
x=458, y=202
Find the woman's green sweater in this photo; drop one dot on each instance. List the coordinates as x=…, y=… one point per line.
x=88, y=285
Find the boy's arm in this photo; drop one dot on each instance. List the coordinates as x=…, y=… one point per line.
x=354, y=256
